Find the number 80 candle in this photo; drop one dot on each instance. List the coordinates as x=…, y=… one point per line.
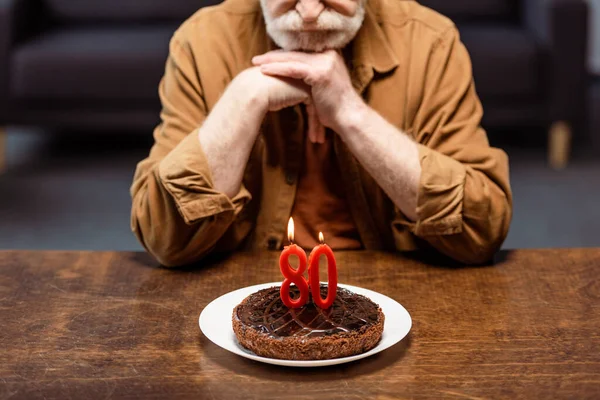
x=296, y=276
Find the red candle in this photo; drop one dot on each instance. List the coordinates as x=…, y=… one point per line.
x=313, y=274
x=295, y=276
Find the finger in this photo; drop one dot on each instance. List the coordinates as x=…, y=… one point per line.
x=283, y=56
x=316, y=128
x=312, y=123
x=290, y=69
x=320, y=131
x=312, y=135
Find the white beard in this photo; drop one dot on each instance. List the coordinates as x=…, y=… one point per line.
x=334, y=31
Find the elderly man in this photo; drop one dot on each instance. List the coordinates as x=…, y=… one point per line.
x=359, y=118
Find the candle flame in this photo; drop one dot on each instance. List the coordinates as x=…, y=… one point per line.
x=291, y=230
x=321, y=238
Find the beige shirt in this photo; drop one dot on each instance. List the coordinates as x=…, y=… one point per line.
x=408, y=64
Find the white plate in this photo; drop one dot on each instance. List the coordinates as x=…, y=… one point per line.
x=215, y=323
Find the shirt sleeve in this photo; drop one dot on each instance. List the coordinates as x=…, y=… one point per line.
x=177, y=214
x=464, y=198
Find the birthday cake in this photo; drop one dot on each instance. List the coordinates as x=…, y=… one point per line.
x=352, y=325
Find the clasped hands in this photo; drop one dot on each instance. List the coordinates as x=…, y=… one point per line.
x=320, y=80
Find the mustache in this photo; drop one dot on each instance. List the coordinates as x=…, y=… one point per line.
x=328, y=20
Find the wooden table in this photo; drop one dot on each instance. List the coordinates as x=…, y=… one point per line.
x=88, y=325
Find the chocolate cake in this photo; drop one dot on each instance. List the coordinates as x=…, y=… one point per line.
x=264, y=325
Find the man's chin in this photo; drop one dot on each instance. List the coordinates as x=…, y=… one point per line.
x=311, y=41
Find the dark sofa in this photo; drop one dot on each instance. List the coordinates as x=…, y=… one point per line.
x=86, y=63
x=96, y=64
x=529, y=63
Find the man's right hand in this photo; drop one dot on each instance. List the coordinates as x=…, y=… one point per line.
x=277, y=93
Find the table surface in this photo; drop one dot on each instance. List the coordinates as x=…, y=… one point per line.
x=115, y=325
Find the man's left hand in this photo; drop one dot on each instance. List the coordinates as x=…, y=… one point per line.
x=333, y=95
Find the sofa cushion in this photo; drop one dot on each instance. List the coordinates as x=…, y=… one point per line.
x=506, y=61
x=92, y=64
x=127, y=63
x=462, y=10
x=126, y=10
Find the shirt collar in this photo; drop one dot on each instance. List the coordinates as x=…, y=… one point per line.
x=371, y=50
x=371, y=47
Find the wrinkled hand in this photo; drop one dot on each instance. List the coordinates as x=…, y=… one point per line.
x=276, y=92
x=331, y=89
x=281, y=92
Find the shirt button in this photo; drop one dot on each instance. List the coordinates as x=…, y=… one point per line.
x=272, y=243
x=290, y=178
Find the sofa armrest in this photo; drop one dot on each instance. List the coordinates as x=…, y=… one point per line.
x=561, y=26
x=17, y=20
